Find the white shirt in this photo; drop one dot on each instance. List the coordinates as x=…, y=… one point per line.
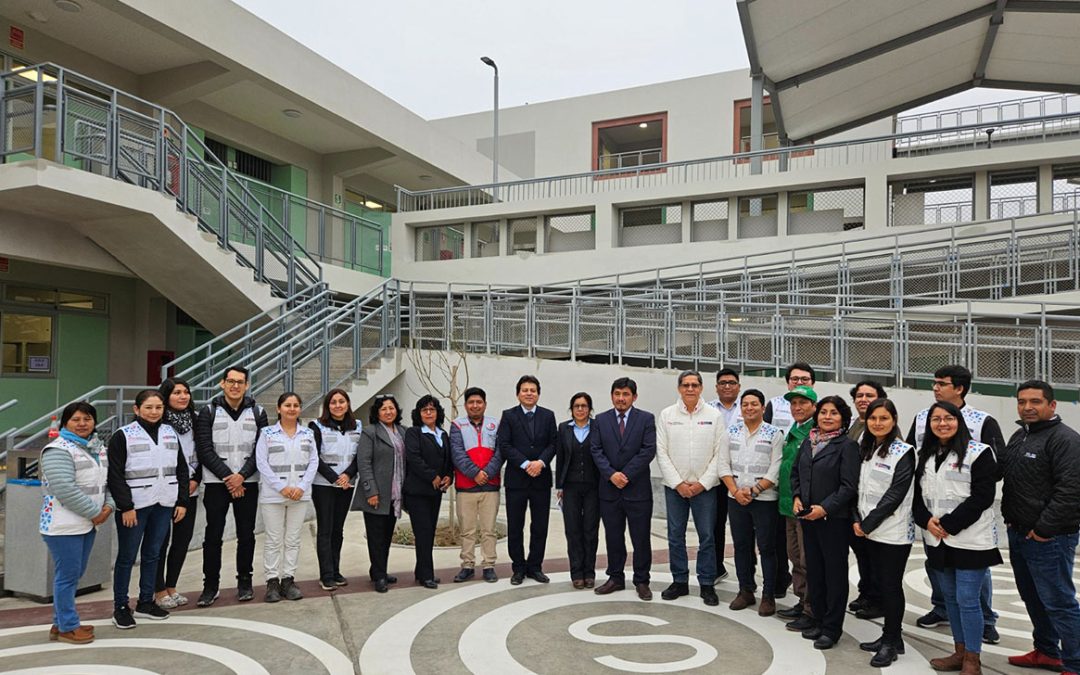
x=688, y=443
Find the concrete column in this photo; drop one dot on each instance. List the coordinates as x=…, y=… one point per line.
x=541, y=245
x=757, y=122
x=876, y=202
x=782, y=214
x=733, y=218
x=607, y=232
x=1045, y=186
x=469, y=239
x=687, y=221
x=981, y=194
x=504, y=237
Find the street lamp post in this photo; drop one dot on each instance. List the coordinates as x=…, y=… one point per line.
x=487, y=60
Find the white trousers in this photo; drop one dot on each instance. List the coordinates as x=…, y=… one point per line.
x=281, y=549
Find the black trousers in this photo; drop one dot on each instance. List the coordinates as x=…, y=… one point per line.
x=331, y=508
x=783, y=569
x=720, y=532
x=380, y=532
x=424, y=518
x=581, y=523
x=869, y=584
x=173, y=558
x=216, y=501
x=826, y=543
x=619, y=516
x=890, y=562
x=537, y=500
x=754, y=525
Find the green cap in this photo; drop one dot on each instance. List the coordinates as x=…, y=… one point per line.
x=803, y=391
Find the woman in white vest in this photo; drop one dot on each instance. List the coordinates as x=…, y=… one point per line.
x=148, y=479
x=287, y=459
x=337, y=434
x=954, y=503
x=74, y=502
x=883, y=516
x=180, y=415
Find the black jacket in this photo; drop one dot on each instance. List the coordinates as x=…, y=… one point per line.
x=565, y=442
x=204, y=436
x=830, y=478
x=519, y=442
x=1041, y=467
x=424, y=460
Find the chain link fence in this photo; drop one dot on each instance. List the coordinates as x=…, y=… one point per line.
x=485, y=242
x=1013, y=193
x=929, y=201
x=522, y=234
x=442, y=242
x=826, y=210
x=570, y=232
x=709, y=221
x=758, y=216
x=1066, y=187
x=650, y=225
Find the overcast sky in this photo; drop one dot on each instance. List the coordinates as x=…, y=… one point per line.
x=426, y=54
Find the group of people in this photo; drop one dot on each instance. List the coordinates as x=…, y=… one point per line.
x=800, y=479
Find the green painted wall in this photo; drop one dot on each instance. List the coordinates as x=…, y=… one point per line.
x=293, y=179
x=368, y=245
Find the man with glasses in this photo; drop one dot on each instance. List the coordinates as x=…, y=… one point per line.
x=952, y=384
x=727, y=404
x=689, y=436
x=778, y=410
x=225, y=435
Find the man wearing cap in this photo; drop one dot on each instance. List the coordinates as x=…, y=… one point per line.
x=801, y=400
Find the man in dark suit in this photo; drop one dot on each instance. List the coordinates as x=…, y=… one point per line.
x=526, y=439
x=623, y=446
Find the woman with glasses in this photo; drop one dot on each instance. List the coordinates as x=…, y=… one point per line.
x=825, y=482
x=428, y=473
x=577, y=485
x=337, y=434
x=380, y=469
x=883, y=519
x=954, y=504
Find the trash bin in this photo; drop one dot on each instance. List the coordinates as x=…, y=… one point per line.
x=28, y=566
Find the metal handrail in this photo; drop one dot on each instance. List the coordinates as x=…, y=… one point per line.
x=407, y=199
x=167, y=157
x=980, y=112
x=5, y=406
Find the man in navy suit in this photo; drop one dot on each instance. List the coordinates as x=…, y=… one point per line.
x=623, y=448
x=526, y=440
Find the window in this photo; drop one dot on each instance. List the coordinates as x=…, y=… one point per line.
x=650, y=225
x=1066, y=187
x=444, y=242
x=523, y=235
x=757, y=216
x=932, y=201
x=630, y=142
x=485, y=239
x=54, y=298
x=770, y=136
x=570, y=232
x=27, y=343
x=710, y=221
x=1014, y=193
x=253, y=167
x=827, y=210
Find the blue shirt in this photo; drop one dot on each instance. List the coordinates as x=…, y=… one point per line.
x=581, y=433
x=434, y=432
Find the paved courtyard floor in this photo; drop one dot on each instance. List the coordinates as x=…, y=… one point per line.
x=474, y=627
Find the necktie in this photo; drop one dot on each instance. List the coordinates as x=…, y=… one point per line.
x=622, y=424
x=529, y=419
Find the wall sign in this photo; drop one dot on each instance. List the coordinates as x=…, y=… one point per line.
x=16, y=37
x=38, y=364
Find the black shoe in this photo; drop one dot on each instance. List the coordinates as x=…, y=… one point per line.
x=870, y=611
x=207, y=597
x=289, y=589
x=675, y=590
x=490, y=576
x=793, y=612
x=122, y=618
x=824, y=642
x=244, y=591
x=465, y=574
x=884, y=656
x=857, y=604
x=150, y=610
x=538, y=576
x=390, y=579
x=273, y=591
x=430, y=583
x=990, y=635
x=708, y=594
x=327, y=584
x=381, y=586
x=340, y=580
x=877, y=644
x=801, y=624
x=517, y=579
x=812, y=633
x=931, y=620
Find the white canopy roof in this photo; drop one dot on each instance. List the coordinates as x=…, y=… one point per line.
x=832, y=65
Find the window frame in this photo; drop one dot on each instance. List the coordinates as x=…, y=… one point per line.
x=598, y=126
x=738, y=106
x=53, y=317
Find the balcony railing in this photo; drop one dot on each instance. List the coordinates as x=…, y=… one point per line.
x=998, y=112
x=633, y=158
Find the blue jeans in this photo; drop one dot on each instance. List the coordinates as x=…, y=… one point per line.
x=753, y=524
x=145, y=539
x=1043, y=572
x=962, y=590
x=986, y=596
x=70, y=553
x=703, y=506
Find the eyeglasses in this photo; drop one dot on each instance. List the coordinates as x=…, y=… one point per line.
x=383, y=397
x=943, y=420
x=942, y=383
x=690, y=385
x=728, y=383
x=801, y=379
x=580, y=405
x=235, y=383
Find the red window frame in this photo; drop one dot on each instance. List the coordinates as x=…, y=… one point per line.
x=738, y=107
x=660, y=117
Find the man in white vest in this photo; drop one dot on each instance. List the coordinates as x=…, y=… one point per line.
x=778, y=410
x=225, y=435
x=952, y=384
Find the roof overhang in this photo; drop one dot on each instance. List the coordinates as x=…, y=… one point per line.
x=832, y=65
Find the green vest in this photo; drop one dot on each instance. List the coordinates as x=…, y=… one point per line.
x=792, y=443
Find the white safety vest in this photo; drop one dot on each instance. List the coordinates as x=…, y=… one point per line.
x=338, y=449
x=90, y=477
x=751, y=462
x=150, y=471
x=288, y=459
x=875, y=477
x=946, y=488
x=973, y=419
x=469, y=438
x=781, y=414
x=187, y=444
x=234, y=441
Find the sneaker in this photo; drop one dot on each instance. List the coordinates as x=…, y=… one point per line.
x=723, y=574
x=490, y=576
x=166, y=602
x=290, y=590
x=327, y=584
x=990, y=635
x=675, y=590
x=467, y=573
x=180, y=600
x=122, y=619
x=1036, y=659
x=207, y=597
x=930, y=620
x=244, y=591
x=273, y=591
x=150, y=610
x=340, y=580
